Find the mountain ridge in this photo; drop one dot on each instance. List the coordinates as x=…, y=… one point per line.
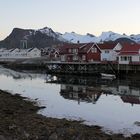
x=46, y=37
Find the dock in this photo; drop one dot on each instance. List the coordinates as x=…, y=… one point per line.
x=75, y=68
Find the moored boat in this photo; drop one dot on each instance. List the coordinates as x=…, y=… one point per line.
x=110, y=76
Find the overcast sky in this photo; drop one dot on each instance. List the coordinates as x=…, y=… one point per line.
x=81, y=16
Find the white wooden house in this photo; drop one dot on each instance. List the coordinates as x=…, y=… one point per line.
x=20, y=53
x=33, y=52
x=109, y=51
x=130, y=54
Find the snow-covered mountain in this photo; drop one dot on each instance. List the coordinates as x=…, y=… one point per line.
x=46, y=37
x=40, y=38
x=136, y=38
x=105, y=36
x=74, y=38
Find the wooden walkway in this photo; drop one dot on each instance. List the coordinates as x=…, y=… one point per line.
x=90, y=68
x=80, y=68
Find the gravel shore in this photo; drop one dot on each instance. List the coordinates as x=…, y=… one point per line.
x=19, y=121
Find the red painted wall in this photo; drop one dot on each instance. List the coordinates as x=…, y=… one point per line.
x=89, y=56
x=94, y=56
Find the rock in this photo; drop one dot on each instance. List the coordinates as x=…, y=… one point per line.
x=42, y=107
x=2, y=137
x=26, y=134
x=61, y=131
x=80, y=137
x=53, y=136
x=26, y=124
x=136, y=136
x=137, y=123
x=12, y=127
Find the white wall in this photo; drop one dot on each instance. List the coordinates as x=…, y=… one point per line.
x=111, y=56
x=20, y=53
x=63, y=58
x=135, y=58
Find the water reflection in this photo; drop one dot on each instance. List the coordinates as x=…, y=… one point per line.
x=80, y=93
x=86, y=89
x=113, y=104
x=19, y=75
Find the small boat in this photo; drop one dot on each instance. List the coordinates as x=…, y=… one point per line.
x=108, y=76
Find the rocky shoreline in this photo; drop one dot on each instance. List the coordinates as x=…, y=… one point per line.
x=19, y=121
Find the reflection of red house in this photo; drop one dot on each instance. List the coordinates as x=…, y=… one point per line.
x=80, y=52
x=80, y=93
x=131, y=99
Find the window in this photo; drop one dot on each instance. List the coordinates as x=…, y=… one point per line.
x=106, y=51
x=104, y=59
x=69, y=51
x=75, y=57
x=83, y=57
x=94, y=50
x=126, y=58
x=129, y=58
x=63, y=58
x=75, y=50
x=123, y=58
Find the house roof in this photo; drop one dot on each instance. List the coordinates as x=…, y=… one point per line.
x=30, y=49
x=85, y=48
x=107, y=46
x=129, y=49
x=10, y=50
x=128, y=53
x=64, y=49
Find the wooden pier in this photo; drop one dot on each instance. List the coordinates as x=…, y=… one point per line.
x=75, y=68
x=91, y=68
x=80, y=68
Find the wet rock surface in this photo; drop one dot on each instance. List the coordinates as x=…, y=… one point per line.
x=19, y=121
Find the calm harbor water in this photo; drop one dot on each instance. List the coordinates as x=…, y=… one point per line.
x=112, y=104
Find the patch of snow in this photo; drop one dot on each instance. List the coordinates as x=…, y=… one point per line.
x=136, y=38
x=75, y=37
x=105, y=36
x=48, y=31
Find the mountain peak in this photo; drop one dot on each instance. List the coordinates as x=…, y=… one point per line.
x=46, y=30
x=47, y=37
x=91, y=35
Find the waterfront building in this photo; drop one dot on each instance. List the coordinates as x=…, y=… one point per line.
x=20, y=53
x=89, y=52
x=109, y=51
x=129, y=54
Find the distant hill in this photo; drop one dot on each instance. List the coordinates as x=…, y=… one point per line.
x=46, y=37
x=35, y=38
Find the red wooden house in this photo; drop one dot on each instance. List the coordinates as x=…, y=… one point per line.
x=80, y=53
